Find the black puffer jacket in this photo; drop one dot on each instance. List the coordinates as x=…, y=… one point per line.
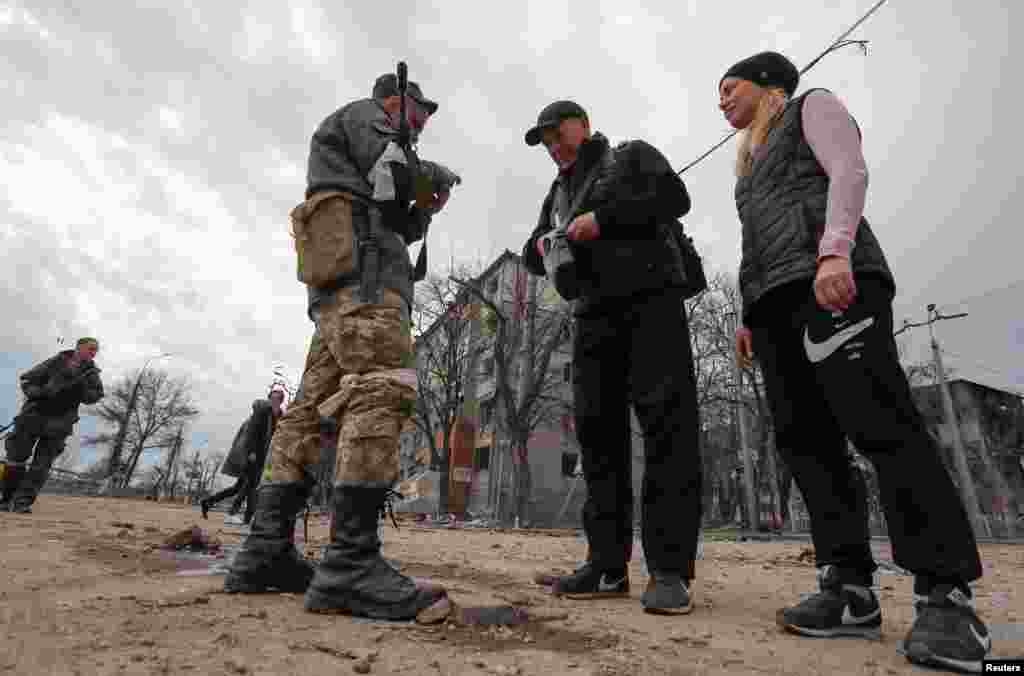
x=636, y=197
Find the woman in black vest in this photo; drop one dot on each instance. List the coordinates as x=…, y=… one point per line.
x=817, y=312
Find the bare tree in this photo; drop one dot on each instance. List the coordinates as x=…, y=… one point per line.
x=171, y=474
x=199, y=471
x=524, y=334
x=442, y=320
x=713, y=316
x=161, y=405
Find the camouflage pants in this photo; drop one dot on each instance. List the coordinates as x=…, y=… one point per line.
x=363, y=354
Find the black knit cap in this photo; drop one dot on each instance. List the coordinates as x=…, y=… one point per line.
x=387, y=85
x=551, y=117
x=768, y=69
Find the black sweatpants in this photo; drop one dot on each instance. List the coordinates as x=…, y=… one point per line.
x=832, y=377
x=639, y=354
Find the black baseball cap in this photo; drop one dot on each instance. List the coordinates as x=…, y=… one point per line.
x=552, y=116
x=387, y=85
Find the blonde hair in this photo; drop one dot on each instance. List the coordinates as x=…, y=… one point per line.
x=769, y=111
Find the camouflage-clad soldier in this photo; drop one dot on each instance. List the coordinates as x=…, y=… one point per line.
x=54, y=390
x=360, y=358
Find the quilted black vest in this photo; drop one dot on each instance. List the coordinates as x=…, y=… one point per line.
x=782, y=205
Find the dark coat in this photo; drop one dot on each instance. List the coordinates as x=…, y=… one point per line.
x=252, y=441
x=54, y=391
x=636, y=198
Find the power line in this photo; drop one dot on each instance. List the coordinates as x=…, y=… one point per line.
x=837, y=44
x=938, y=316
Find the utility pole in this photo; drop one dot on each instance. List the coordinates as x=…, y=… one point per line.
x=745, y=453
x=172, y=461
x=122, y=430
x=970, y=495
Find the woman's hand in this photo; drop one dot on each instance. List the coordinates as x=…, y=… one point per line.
x=834, y=287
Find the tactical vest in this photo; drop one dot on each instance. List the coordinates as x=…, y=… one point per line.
x=782, y=206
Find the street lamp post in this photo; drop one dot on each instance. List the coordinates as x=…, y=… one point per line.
x=122, y=432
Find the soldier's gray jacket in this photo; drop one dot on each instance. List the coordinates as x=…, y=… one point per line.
x=782, y=205
x=355, y=150
x=54, y=391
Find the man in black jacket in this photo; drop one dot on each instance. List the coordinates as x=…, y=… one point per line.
x=618, y=207
x=54, y=390
x=247, y=456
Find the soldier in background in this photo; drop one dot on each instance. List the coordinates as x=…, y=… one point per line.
x=54, y=390
x=246, y=459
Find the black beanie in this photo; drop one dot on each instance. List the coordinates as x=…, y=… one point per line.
x=768, y=69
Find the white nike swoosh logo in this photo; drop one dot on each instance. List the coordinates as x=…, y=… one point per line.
x=985, y=641
x=606, y=586
x=818, y=352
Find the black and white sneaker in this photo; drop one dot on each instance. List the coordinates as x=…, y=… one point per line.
x=666, y=594
x=837, y=610
x=589, y=582
x=947, y=633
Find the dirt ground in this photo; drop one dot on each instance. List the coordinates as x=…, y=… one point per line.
x=86, y=590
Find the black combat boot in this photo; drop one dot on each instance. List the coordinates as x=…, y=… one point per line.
x=28, y=482
x=353, y=577
x=268, y=559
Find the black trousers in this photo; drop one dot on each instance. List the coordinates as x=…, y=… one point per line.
x=244, y=489
x=832, y=378
x=31, y=434
x=639, y=354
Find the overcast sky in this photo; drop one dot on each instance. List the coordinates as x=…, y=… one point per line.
x=150, y=155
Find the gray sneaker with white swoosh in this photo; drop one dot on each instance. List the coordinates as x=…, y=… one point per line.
x=666, y=594
x=947, y=633
x=589, y=582
x=837, y=610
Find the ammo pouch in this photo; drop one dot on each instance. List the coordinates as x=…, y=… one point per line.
x=324, y=238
